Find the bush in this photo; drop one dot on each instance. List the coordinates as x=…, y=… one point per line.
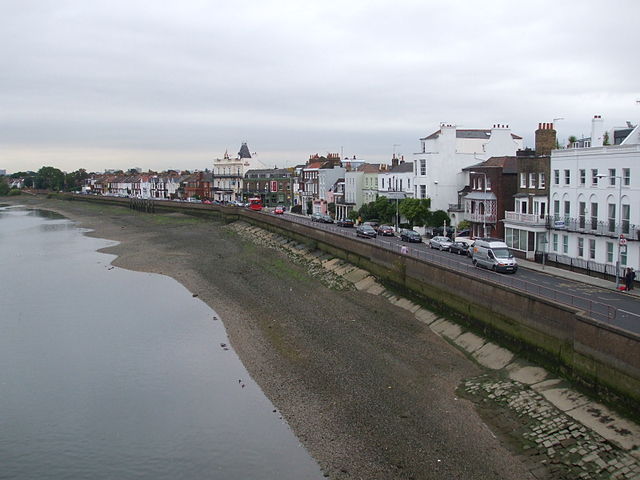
x=14, y=191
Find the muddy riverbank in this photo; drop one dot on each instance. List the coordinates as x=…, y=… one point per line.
x=369, y=391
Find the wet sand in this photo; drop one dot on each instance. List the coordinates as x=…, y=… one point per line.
x=368, y=390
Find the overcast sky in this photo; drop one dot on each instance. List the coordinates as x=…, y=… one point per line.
x=118, y=84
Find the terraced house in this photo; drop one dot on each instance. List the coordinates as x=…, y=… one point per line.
x=595, y=203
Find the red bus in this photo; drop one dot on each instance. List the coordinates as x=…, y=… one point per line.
x=255, y=204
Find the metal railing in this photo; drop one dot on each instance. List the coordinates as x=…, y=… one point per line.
x=595, y=309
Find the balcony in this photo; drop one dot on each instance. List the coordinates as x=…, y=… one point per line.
x=456, y=207
x=591, y=226
x=477, y=217
x=525, y=218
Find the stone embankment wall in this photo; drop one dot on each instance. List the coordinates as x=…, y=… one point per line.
x=565, y=339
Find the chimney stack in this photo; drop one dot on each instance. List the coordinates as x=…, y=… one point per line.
x=394, y=161
x=545, y=139
x=597, y=131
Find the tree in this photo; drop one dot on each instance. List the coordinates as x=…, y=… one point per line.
x=572, y=139
x=381, y=209
x=464, y=225
x=605, y=138
x=437, y=219
x=415, y=210
x=331, y=207
x=4, y=187
x=50, y=178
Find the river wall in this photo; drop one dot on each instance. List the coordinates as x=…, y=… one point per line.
x=564, y=339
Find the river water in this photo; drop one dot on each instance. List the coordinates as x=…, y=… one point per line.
x=111, y=374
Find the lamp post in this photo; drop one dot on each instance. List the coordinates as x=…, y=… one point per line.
x=484, y=204
x=619, y=224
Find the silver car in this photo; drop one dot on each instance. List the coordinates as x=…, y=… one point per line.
x=441, y=243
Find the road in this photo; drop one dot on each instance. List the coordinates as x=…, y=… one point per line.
x=602, y=304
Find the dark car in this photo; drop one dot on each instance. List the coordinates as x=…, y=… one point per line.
x=345, y=222
x=410, y=236
x=366, y=231
x=321, y=217
x=386, y=230
x=373, y=224
x=460, y=248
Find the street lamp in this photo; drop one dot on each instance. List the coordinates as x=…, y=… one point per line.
x=484, y=203
x=619, y=225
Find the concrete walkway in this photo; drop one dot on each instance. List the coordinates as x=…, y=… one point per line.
x=577, y=277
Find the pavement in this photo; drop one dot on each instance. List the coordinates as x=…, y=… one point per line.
x=577, y=277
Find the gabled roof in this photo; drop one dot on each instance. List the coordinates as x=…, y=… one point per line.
x=314, y=165
x=401, y=168
x=484, y=133
x=369, y=168
x=507, y=163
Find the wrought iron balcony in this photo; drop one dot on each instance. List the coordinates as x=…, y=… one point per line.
x=526, y=218
x=592, y=226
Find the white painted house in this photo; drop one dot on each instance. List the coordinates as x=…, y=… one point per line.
x=595, y=200
x=397, y=181
x=443, y=154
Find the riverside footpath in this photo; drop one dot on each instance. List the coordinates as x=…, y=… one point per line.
x=577, y=277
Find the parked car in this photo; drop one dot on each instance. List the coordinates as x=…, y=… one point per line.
x=440, y=242
x=279, y=210
x=410, y=236
x=321, y=218
x=373, y=224
x=365, y=231
x=345, y=222
x=460, y=248
x=386, y=230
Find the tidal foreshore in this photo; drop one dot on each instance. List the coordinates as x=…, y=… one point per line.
x=368, y=390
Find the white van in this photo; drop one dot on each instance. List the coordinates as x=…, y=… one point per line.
x=493, y=253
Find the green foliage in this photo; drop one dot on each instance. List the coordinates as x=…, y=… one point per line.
x=4, y=187
x=605, y=139
x=382, y=209
x=309, y=207
x=415, y=210
x=14, y=192
x=50, y=178
x=464, y=225
x=75, y=180
x=331, y=207
x=572, y=139
x=353, y=215
x=437, y=219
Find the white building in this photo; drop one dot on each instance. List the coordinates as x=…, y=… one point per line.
x=595, y=200
x=444, y=153
x=327, y=177
x=397, y=180
x=228, y=175
x=360, y=187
